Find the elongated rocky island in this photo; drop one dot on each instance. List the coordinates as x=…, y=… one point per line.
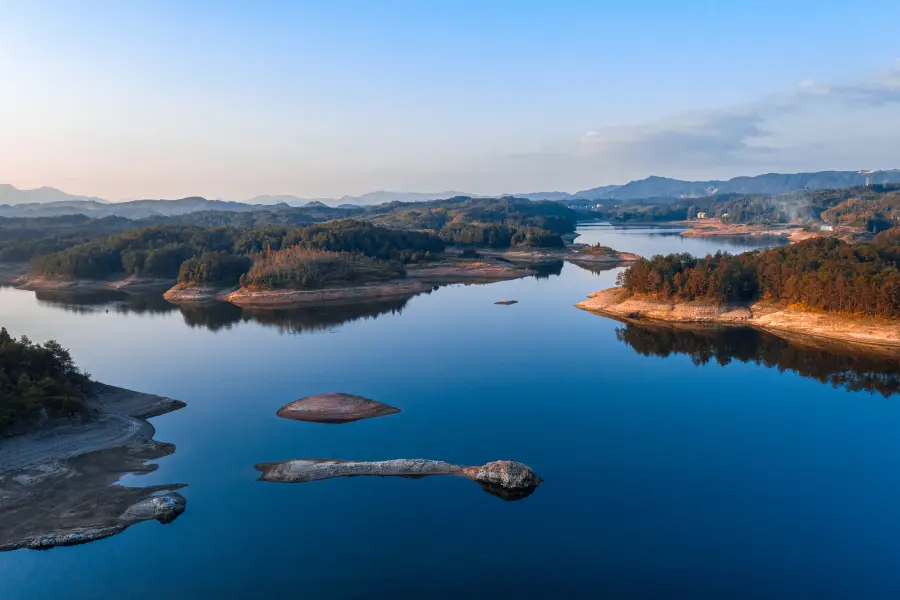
x=506, y=479
x=334, y=408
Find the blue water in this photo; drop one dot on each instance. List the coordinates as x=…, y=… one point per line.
x=663, y=479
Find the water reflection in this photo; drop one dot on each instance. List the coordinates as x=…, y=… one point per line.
x=82, y=302
x=216, y=316
x=828, y=363
x=547, y=270
x=594, y=267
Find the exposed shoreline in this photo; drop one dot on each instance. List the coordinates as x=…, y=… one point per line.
x=40, y=283
x=876, y=334
x=71, y=468
x=716, y=228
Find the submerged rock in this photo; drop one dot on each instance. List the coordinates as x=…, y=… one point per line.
x=505, y=479
x=334, y=408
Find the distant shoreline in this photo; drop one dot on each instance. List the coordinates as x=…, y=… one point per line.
x=877, y=334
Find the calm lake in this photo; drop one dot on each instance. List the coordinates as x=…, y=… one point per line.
x=693, y=465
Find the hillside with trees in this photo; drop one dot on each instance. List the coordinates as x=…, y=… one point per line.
x=822, y=273
x=38, y=382
x=300, y=268
x=198, y=254
x=495, y=223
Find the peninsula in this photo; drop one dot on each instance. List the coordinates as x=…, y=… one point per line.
x=821, y=287
x=65, y=441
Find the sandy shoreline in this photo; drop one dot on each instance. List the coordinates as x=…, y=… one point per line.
x=880, y=335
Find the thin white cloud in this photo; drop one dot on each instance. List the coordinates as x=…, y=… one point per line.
x=781, y=131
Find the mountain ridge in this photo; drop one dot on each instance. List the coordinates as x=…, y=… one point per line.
x=47, y=201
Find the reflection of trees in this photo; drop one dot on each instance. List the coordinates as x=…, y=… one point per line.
x=828, y=363
x=302, y=319
x=94, y=301
x=223, y=315
x=307, y=319
x=593, y=267
x=547, y=270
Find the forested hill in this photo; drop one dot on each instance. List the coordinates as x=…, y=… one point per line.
x=498, y=223
x=161, y=252
x=872, y=208
x=770, y=183
x=821, y=273
x=37, y=382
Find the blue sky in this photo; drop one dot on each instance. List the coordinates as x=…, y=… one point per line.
x=233, y=99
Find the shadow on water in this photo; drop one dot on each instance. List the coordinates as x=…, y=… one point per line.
x=857, y=371
x=217, y=316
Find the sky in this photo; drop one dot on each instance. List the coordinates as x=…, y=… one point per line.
x=171, y=98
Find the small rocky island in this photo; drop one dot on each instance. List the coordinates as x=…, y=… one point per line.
x=65, y=442
x=506, y=479
x=334, y=408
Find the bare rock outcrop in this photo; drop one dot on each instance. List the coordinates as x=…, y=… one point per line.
x=506, y=479
x=334, y=408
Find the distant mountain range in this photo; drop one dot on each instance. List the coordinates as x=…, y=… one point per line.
x=770, y=183
x=48, y=201
x=12, y=195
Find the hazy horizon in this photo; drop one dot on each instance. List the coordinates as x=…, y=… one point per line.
x=322, y=100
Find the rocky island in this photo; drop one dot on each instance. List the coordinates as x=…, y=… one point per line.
x=334, y=408
x=506, y=479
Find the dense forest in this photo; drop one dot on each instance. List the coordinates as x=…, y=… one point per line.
x=221, y=254
x=38, y=382
x=301, y=268
x=835, y=366
x=821, y=273
x=496, y=223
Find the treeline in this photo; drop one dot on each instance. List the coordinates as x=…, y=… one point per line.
x=300, y=268
x=822, y=273
x=499, y=236
x=492, y=222
x=38, y=382
x=221, y=254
